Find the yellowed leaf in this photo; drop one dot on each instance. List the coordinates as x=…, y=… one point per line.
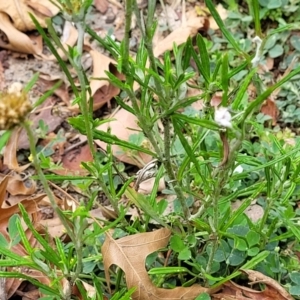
x=130, y=252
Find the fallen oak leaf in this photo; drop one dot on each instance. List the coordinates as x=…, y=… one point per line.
x=7, y=212
x=45, y=114
x=15, y=19
x=19, y=11
x=16, y=40
x=273, y=289
x=103, y=89
x=17, y=186
x=130, y=252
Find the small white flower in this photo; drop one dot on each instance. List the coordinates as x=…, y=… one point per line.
x=223, y=117
x=238, y=169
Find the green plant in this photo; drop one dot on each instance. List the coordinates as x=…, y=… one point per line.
x=208, y=157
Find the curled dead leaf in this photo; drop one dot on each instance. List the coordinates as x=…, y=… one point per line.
x=272, y=290
x=10, y=153
x=17, y=186
x=16, y=40
x=15, y=19
x=19, y=11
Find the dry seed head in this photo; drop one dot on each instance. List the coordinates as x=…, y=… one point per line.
x=14, y=107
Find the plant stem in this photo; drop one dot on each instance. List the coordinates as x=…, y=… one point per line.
x=83, y=95
x=169, y=169
x=222, y=174
x=42, y=178
x=128, y=16
x=37, y=165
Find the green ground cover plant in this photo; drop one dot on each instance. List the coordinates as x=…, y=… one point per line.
x=213, y=157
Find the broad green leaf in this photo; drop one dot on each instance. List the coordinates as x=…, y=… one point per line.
x=185, y=254
x=236, y=257
x=176, y=243
x=253, y=251
x=253, y=238
x=203, y=296
x=276, y=51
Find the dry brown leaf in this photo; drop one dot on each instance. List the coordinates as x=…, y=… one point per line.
x=16, y=40
x=10, y=153
x=61, y=92
x=7, y=212
x=180, y=35
x=15, y=18
x=273, y=290
x=101, y=5
x=17, y=186
x=19, y=11
x=123, y=126
x=130, y=252
x=146, y=186
x=269, y=108
x=102, y=90
x=44, y=114
x=55, y=228
x=71, y=162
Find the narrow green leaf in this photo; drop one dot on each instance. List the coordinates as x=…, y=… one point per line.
x=248, y=265
x=24, y=238
x=48, y=93
x=241, y=209
x=188, y=150
x=5, y=274
x=268, y=164
x=203, y=123
x=203, y=55
x=242, y=90
x=167, y=270
x=40, y=239
x=255, y=10
x=4, y=138
x=32, y=82
x=225, y=80
x=53, y=50
x=211, y=6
